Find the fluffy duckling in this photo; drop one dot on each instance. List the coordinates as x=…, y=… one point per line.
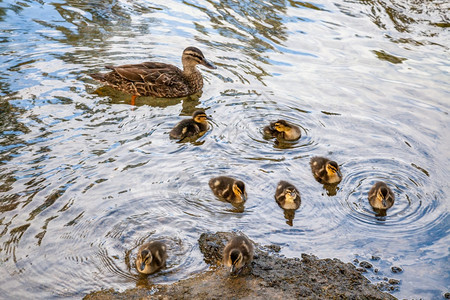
x=325, y=171
x=229, y=189
x=151, y=257
x=287, y=196
x=283, y=130
x=237, y=254
x=381, y=196
x=190, y=127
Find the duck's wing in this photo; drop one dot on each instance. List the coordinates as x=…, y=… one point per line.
x=148, y=72
x=149, y=79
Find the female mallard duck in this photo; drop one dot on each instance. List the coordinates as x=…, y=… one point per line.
x=325, y=171
x=282, y=129
x=381, y=197
x=287, y=196
x=237, y=254
x=151, y=257
x=229, y=189
x=158, y=79
x=190, y=127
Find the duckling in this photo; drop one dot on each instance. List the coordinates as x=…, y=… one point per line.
x=158, y=79
x=283, y=130
x=190, y=127
x=151, y=257
x=381, y=196
x=229, y=189
x=237, y=254
x=325, y=171
x=287, y=196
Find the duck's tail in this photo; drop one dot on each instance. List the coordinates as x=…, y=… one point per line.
x=98, y=76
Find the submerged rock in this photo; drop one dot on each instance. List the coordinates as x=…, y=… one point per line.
x=395, y=269
x=269, y=277
x=365, y=264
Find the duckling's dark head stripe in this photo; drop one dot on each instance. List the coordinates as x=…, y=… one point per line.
x=282, y=122
x=199, y=113
x=240, y=185
x=334, y=165
x=234, y=255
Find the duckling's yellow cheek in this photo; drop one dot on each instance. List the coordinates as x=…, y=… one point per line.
x=216, y=183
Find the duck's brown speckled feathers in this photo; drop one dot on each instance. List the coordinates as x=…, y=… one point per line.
x=190, y=127
x=151, y=257
x=325, y=171
x=381, y=196
x=287, y=195
x=237, y=254
x=282, y=129
x=158, y=79
x=228, y=189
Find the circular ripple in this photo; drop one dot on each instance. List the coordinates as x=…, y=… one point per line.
x=120, y=232
x=240, y=129
x=413, y=203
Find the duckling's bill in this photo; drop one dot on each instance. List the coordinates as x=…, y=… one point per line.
x=243, y=197
x=233, y=270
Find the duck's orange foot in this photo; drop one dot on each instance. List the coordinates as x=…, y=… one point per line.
x=133, y=100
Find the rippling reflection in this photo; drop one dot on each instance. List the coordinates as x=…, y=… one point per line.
x=252, y=28
x=424, y=19
x=85, y=178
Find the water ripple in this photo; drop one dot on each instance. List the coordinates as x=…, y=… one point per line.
x=86, y=178
x=413, y=203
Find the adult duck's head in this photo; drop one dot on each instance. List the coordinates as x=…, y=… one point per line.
x=193, y=56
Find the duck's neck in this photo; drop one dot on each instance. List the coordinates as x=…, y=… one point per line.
x=194, y=77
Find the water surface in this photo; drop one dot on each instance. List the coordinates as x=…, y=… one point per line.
x=86, y=177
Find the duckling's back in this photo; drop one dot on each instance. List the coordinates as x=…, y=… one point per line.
x=318, y=167
x=185, y=128
x=222, y=186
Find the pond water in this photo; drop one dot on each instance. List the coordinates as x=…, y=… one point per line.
x=86, y=177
